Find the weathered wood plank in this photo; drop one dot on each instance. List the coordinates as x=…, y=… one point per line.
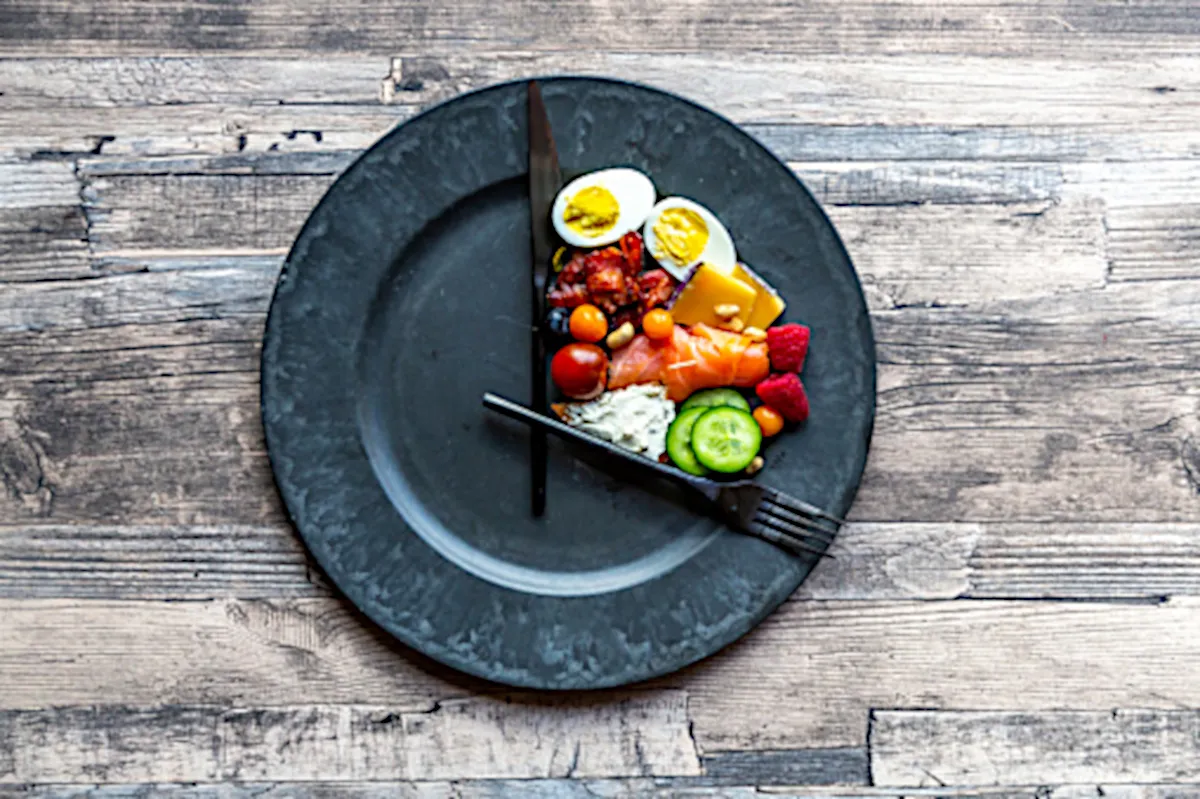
x=172, y=399
x=956, y=255
x=1030, y=379
x=900, y=106
x=998, y=560
x=146, y=298
x=43, y=243
x=1154, y=242
x=635, y=735
x=844, y=766
x=226, y=653
x=896, y=89
x=899, y=89
x=186, y=129
x=126, y=213
x=943, y=182
x=139, y=562
x=51, y=83
x=878, y=561
x=810, y=672
x=806, y=678
x=36, y=184
x=929, y=747
x=1073, y=28
x=646, y=788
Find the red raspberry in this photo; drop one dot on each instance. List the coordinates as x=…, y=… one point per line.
x=787, y=345
x=785, y=393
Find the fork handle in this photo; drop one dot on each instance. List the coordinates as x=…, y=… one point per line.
x=515, y=410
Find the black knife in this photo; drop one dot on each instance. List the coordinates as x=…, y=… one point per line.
x=545, y=180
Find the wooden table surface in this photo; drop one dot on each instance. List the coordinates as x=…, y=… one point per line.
x=1017, y=609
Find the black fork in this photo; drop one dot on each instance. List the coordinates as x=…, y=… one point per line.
x=744, y=505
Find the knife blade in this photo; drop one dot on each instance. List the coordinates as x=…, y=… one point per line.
x=545, y=179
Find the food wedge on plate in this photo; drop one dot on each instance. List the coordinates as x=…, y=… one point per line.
x=667, y=344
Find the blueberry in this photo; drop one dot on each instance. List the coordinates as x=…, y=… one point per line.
x=559, y=321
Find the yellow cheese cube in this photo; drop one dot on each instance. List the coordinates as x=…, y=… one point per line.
x=707, y=289
x=768, y=305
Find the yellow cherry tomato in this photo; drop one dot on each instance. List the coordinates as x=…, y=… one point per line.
x=769, y=419
x=588, y=323
x=658, y=324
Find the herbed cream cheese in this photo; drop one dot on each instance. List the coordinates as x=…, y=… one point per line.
x=635, y=418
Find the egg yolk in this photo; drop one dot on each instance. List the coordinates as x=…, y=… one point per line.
x=591, y=211
x=681, y=234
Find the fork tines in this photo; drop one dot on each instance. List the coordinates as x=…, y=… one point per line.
x=794, y=524
x=796, y=506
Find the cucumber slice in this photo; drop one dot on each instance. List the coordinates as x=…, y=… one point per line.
x=715, y=398
x=679, y=441
x=726, y=439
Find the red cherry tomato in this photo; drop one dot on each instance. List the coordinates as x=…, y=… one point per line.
x=580, y=370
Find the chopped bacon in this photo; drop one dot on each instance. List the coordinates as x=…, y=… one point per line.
x=631, y=248
x=575, y=269
x=611, y=279
x=608, y=258
x=609, y=288
x=570, y=295
x=656, y=287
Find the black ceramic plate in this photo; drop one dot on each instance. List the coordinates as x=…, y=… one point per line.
x=406, y=297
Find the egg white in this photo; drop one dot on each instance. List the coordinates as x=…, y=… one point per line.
x=718, y=251
x=634, y=194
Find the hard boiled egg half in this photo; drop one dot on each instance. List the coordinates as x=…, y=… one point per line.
x=600, y=207
x=680, y=233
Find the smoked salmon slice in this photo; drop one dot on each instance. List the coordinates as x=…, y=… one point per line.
x=702, y=357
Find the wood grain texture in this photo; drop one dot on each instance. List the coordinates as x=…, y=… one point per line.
x=33, y=184
x=1113, y=96
x=137, y=562
x=929, y=748
x=875, y=561
x=639, y=735
x=807, y=678
x=1154, y=242
x=43, y=243
x=661, y=788
x=813, y=670
x=1075, y=28
x=988, y=391
x=1017, y=185
x=160, y=420
x=899, y=106
x=1065, y=560
x=902, y=88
